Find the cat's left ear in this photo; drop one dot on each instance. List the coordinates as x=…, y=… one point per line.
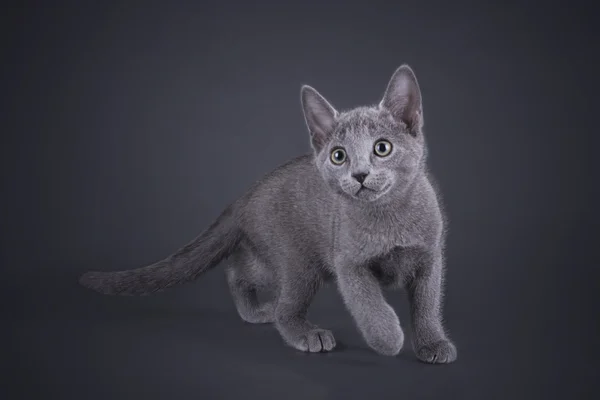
x=320, y=116
x=403, y=99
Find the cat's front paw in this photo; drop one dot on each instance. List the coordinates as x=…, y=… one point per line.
x=388, y=341
x=315, y=341
x=441, y=352
x=382, y=332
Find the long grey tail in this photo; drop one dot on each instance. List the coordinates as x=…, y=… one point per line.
x=201, y=254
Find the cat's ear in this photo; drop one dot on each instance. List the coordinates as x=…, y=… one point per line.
x=320, y=116
x=403, y=99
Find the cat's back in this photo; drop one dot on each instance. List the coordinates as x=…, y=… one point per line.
x=290, y=203
x=289, y=187
x=284, y=180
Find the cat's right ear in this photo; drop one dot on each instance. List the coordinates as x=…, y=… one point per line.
x=320, y=116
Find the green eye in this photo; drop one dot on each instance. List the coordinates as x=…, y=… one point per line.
x=383, y=148
x=338, y=156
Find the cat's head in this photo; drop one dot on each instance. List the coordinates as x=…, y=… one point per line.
x=368, y=152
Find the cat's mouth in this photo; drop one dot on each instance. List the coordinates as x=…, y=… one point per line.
x=367, y=193
x=363, y=188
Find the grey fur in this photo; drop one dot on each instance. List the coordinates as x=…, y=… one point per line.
x=310, y=221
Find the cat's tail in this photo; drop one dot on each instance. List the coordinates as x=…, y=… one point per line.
x=201, y=254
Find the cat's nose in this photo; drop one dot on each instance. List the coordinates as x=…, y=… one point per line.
x=360, y=176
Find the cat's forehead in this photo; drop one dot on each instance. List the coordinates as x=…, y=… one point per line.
x=364, y=121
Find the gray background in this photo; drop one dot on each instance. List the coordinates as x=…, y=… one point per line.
x=127, y=128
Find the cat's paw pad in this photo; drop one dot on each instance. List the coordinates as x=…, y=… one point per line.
x=442, y=352
x=315, y=341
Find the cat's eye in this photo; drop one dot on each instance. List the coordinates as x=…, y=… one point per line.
x=338, y=156
x=383, y=148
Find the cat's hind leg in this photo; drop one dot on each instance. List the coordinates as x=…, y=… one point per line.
x=245, y=276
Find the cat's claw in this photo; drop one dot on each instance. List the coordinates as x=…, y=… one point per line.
x=316, y=340
x=442, y=352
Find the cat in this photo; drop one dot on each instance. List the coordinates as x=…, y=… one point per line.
x=361, y=209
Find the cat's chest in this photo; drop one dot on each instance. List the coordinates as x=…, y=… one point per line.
x=364, y=241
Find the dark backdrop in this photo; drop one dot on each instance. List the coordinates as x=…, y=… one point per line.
x=127, y=127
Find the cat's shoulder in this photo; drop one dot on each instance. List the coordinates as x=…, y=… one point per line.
x=437, y=198
x=424, y=214
x=293, y=167
x=285, y=179
x=427, y=191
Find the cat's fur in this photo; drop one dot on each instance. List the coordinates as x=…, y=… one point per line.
x=310, y=220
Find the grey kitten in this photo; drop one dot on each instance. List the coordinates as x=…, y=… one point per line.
x=360, y=210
